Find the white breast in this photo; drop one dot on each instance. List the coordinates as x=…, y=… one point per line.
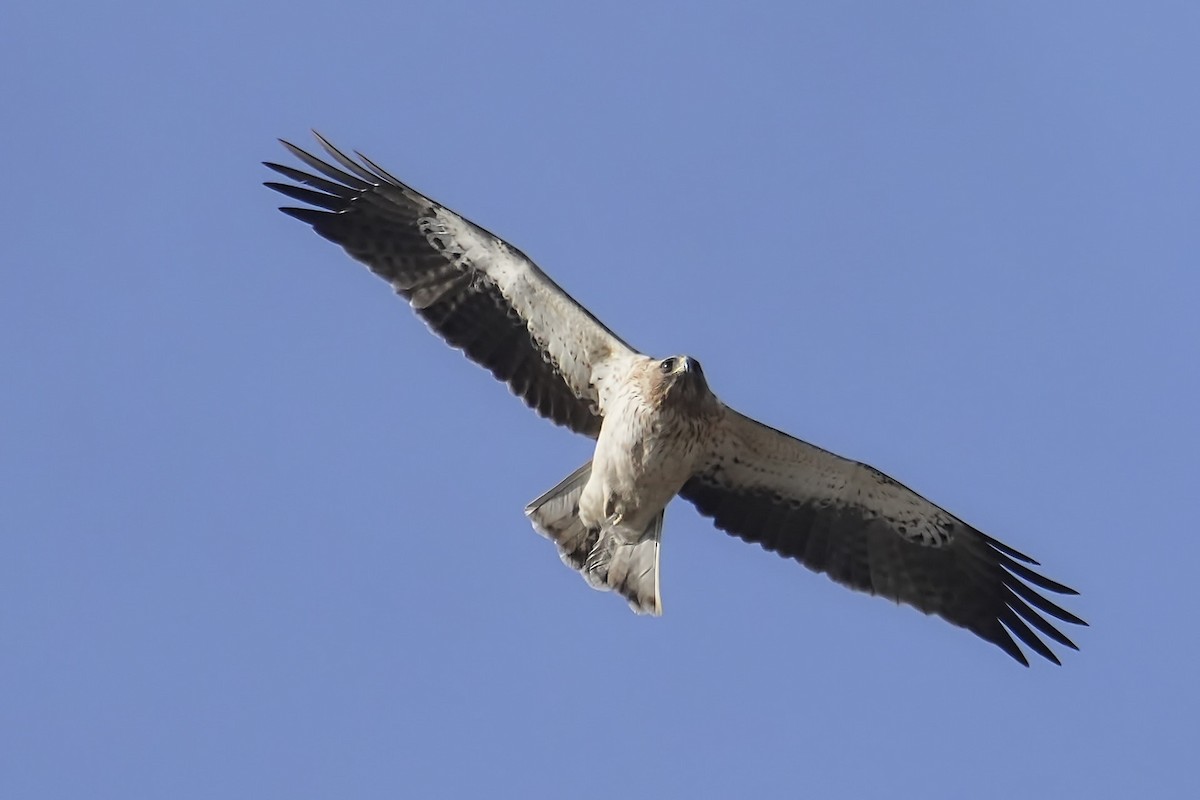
x=643, y=457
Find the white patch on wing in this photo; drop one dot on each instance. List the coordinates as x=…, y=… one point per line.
x=577, y=344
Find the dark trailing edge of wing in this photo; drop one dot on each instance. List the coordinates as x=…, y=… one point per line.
x=974, y=583
x=375, y=218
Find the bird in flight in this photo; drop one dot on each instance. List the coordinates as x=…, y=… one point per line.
x=660, y=431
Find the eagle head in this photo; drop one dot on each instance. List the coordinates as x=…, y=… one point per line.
x=681, y=380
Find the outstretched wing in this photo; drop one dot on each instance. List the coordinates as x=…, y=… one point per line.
x=479, y=293
x=866, y=531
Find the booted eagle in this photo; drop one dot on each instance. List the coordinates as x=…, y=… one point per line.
x=660, y=431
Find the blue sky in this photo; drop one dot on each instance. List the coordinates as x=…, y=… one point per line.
x=262, y=533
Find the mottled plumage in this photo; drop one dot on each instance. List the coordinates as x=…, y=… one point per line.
x=660, y=431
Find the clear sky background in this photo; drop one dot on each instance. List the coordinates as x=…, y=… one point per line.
x=262, y=533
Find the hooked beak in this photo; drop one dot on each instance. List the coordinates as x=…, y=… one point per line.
x=689, y=370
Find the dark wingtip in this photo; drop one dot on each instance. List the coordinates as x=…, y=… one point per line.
x=283, y=169
x=308, y=215
x=1009, y=550
x=1018, y=656
x=380, y=171
x=318, y=199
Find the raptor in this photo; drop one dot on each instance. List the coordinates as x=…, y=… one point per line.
x=660, y=431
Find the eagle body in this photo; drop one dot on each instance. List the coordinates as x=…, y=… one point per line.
x=647, y=447
x=657, y=424
x=660, y=432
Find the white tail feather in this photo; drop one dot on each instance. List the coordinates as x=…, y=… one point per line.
x=555, y=515
x=608, y=558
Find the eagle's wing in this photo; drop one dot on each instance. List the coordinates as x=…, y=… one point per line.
x=479, y=293
x=868, y=532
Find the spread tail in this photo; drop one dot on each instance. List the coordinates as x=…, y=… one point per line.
x=608, y=557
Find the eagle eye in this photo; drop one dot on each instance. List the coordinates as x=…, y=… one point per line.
x=668, y=365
